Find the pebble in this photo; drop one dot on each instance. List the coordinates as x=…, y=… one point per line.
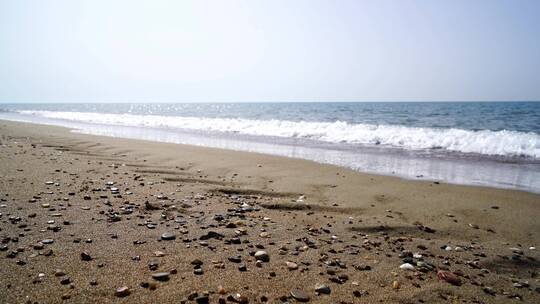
x=262, y=255
x=242, y=267
x=47, y=241
x=360, y=293
x=85, y=256
x=238, y=298
x=235, y=259
x=516, y=250
x=291, y=265
x=153, y=265
x=158, y=253
x=198, y=271
x=196, y=262
x=300, y=295
x=122, y=291
x=407, y=266
x=204, y=299
x=322, y=288
x=65, y=280
x=211, y=235
x=167, y=236
x=161, y=276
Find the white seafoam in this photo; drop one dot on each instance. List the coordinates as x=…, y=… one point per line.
x=486, y=142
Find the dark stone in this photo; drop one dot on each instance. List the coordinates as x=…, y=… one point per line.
x=167, y=236
x=161, y=276
x=202, y=300
x=211, y=235
x=322, y=288
x=85, y=256
x=235, y=259
x=196, y=262
x=242, y=267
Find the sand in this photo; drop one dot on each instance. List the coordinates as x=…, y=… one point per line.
x=347, y=230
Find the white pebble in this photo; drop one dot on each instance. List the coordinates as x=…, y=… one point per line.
x=407, y=266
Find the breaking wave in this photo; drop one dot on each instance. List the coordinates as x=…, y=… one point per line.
x=487, y=142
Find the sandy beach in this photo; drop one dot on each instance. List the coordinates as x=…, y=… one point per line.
x=90, y=219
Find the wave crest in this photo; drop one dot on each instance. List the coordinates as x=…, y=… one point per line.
x=487, y=142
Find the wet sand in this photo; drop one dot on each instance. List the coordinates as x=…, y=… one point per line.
x=82, y=216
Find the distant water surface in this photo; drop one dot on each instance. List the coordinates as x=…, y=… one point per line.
x=480, y=143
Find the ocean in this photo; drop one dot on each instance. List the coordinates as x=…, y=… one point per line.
x=474, y=143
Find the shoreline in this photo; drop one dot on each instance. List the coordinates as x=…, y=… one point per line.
x=374, y=219
x=408, y=165
x=68, y=130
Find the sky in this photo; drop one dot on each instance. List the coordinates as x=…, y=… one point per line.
x=255, y=51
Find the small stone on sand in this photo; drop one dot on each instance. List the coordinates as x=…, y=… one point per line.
x=122, y=291
x=300, y=295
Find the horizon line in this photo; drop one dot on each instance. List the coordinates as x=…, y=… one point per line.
x=273, y=101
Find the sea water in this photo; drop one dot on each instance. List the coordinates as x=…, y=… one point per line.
x=477, y=143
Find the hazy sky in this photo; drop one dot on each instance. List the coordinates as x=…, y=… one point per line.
x=190, y=51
